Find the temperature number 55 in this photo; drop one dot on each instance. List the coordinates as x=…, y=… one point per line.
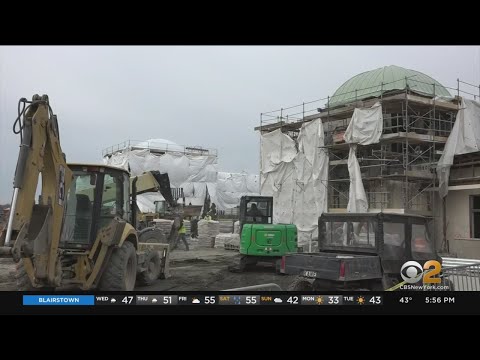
x=209, y=300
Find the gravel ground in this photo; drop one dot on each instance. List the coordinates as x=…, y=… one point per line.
x=197, y=269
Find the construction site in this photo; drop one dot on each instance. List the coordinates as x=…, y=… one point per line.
x=390, y=141
x=413, y=119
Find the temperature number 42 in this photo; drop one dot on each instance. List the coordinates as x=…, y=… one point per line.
x=292, y=300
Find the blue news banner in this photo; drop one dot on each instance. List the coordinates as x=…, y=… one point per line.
x=82, y=300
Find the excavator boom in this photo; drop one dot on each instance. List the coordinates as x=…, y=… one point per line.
x=34, y=227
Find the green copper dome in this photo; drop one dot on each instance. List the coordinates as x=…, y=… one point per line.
x=375, y=82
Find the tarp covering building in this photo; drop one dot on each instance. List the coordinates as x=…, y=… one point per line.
x=195, y=173
x=296, y=178
x=464, y=139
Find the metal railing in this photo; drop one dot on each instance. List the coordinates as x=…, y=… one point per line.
x=462, y=278
x=300, y=111
x=155, y=146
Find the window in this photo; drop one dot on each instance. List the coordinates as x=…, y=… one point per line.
x=421, y=245
x=360, y=234
x=363, y=234
x=259, y=211
x=112, y=198
x=475, y=216
x=79, y=211
x=394, y=240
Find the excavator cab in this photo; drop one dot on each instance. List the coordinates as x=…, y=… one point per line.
x=97, y=195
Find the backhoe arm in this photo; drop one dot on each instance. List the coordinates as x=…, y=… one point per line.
x=35, y=229
x=153, y=181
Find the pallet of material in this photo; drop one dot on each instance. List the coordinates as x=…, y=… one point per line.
x=230, y=241
x=231, y=247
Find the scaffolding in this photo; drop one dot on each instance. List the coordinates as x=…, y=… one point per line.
x=157, y=148
x=399, y=172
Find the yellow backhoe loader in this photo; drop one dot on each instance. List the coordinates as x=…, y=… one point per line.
x=82, y=229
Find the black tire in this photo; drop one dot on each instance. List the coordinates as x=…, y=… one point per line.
x=153, y=264
x=120, y=272
x=300, y=284
x=384, y=284
x=23, y=281
x=323, y=285
x=152, y=235
x=153, y=261
x=247, y=261
x=377, y=286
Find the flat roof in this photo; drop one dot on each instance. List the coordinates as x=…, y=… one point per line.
x=99, y=165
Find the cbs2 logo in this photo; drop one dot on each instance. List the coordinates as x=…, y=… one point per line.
x=412, y=272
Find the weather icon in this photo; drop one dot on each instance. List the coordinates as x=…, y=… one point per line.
x=361, y=300
x=154, y=300
x=112, y=300
x=319, y=300
x=236, y=300
x=277, y=300
x=195, y=301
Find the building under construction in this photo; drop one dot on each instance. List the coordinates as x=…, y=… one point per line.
x=191, y=169
x=399, y=171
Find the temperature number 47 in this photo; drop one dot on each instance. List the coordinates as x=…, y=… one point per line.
x=127, y=300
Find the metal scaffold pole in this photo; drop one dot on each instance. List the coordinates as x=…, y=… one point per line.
x=406, y=157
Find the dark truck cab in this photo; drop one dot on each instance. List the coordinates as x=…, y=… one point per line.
x=361, y=251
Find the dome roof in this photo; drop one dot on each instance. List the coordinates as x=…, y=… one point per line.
x=375, y=82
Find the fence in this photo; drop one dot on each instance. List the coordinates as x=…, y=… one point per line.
x=462, y=278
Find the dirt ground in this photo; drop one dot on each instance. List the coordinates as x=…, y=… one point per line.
x=194, y=270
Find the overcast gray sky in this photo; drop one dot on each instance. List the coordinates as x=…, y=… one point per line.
x=197, y=95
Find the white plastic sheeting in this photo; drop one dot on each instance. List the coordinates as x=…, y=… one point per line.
x=207, y=230
x=275, y=148
x=180, y=168
x=357, y=198
x=464, y=138
x=296, y=179
x=193, y=173
x=146, y=201
x=365, y=128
